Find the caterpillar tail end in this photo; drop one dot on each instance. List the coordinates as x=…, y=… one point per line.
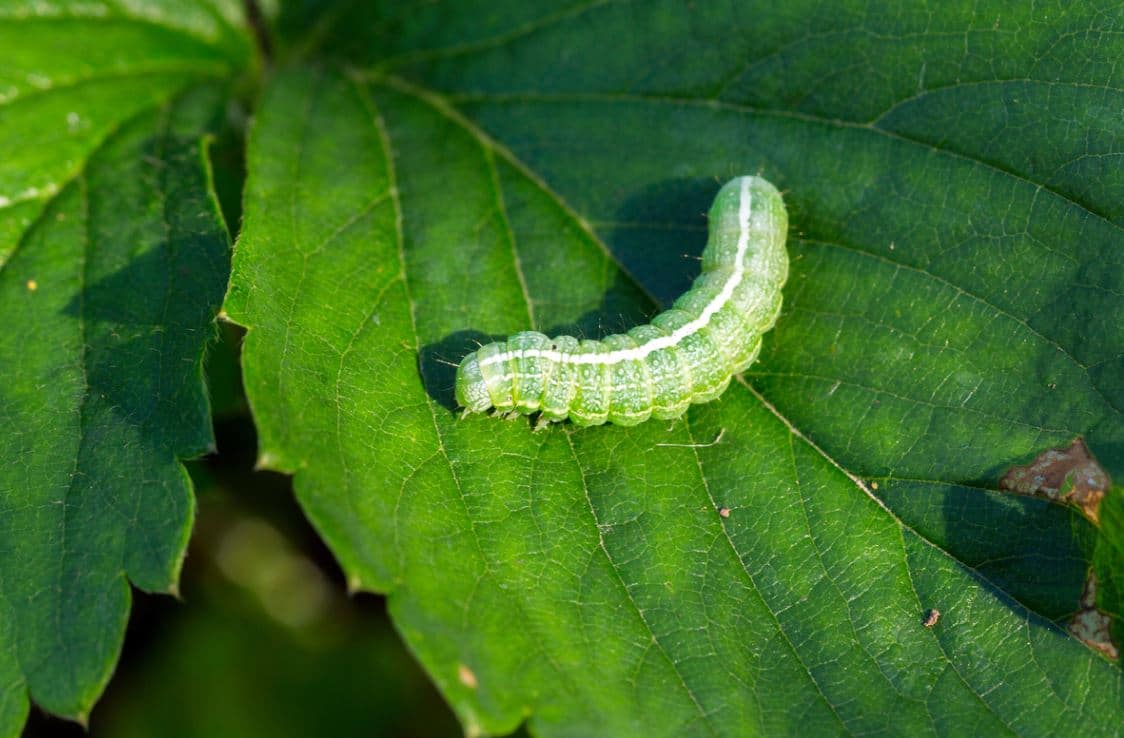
x=471, y=391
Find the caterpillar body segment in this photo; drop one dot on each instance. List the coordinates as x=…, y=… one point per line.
x=686, y=355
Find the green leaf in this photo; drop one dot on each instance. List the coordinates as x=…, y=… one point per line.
x=113, y=263
x=953, y=309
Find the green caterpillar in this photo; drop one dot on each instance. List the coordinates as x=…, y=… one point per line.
x=686, y=355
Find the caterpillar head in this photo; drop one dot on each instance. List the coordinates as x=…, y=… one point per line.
x=472, y=392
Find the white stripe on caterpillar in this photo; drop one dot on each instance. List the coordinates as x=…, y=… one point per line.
x=685, y=355
x=745, y=209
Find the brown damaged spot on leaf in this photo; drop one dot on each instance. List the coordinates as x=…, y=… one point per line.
x=1092, y=626
x=1068, y=475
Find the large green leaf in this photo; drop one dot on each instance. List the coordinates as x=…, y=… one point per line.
x=113, y=262
x=954, y=308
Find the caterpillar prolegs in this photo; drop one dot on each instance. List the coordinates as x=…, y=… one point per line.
x=686, y=355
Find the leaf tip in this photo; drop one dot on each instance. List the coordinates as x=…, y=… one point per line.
x=266, y=460
x=354, y=584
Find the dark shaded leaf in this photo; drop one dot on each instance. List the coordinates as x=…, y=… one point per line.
x=113, y=262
